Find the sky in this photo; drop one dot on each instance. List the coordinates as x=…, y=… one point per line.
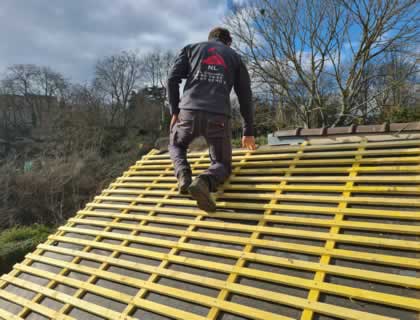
x=71, y=35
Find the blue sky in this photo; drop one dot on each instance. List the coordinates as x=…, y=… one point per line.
x=70, y=36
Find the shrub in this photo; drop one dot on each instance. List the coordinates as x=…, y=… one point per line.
x=55, y=188
x=16, y=242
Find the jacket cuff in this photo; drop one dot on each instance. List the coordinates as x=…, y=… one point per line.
x=174, y=110
x=248, y=131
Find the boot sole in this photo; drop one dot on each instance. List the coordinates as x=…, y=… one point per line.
x=183, y=190
x=204, y=202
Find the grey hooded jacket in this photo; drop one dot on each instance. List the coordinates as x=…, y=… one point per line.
x=211, y=69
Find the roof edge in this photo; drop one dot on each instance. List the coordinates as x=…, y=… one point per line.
x=353, y=129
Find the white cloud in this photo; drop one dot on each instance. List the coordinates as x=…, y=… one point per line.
x=70, y=36
x=239, y=2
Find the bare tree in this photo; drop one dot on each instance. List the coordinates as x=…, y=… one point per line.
x=156, y=67
x=311, y=51
x=392, y=84
x=382, y=25
x=152, y=68
x=116, y=77
x=284, y=48
x=34, y=87
x=83, y=96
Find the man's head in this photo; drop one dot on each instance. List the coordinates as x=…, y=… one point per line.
x=221, y=34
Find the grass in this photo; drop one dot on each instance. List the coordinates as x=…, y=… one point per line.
x=16, y=242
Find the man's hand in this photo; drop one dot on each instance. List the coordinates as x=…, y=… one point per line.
x=248, y=142
x=174, y=119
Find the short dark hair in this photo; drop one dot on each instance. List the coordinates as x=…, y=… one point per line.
x=221, y=34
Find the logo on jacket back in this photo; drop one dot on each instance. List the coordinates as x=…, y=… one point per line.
x=214, y=59
x=212, y=68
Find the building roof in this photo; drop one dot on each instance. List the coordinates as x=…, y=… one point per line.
x=350, y=130
x=309, y=231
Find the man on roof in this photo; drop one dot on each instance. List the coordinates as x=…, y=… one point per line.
x=211, y=70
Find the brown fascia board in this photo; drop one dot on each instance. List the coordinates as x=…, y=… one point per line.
x=376, y=128
x=410, y=126
x=341, y=130
x=288, y=133
x=314, y=132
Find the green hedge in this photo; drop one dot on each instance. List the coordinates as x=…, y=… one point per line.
x=16, y=242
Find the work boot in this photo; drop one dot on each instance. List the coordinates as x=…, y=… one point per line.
x=200, y=191
x=184, y=181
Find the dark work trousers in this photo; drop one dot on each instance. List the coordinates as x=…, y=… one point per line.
x=216, y=129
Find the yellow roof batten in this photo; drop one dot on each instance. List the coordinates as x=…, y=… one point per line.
x=292, y=201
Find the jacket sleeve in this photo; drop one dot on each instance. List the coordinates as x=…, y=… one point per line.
x=178, y=72
x=242, y=87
